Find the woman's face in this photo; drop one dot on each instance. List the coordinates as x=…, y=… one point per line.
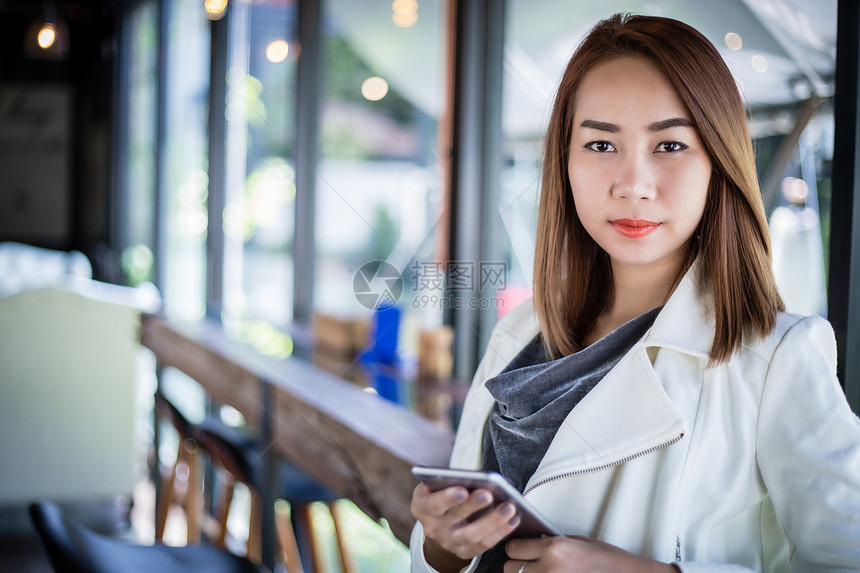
x=637, y=167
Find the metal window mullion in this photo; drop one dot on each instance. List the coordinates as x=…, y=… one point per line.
x=476, y=118
x=844, y=275
x=217, y=134
x=161, y=219
x=308, y=93
x=491, y=237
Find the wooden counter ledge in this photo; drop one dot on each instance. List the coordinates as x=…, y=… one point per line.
x=357, y=444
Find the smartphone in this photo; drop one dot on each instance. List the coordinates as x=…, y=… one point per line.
x=532, y=524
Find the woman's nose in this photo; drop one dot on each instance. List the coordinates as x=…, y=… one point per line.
x=635, y=179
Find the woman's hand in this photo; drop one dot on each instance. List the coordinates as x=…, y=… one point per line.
x=575, y=555
x=452, y=540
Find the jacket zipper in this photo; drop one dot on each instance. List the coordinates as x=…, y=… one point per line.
x=604, y=466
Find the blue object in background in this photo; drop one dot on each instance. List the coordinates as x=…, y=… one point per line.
x=386, y=329
x=386, y=370
x=389, y=382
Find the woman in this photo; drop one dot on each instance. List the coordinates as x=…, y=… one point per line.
x=709, y=431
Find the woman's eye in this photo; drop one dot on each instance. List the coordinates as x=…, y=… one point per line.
x=670, y=146
x=600, y=146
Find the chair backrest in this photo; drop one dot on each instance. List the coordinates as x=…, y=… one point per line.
x=167, y=410
x=222, y=443
x=227, y=450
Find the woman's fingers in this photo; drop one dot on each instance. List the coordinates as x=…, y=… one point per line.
x=453, y=504
x=527, y=549
x=436, y=504
x=514, y=566
x=473, y=538
x=461, y=522
x=477, y=501
x=581, y=554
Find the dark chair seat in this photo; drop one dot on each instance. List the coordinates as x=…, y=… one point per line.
x=73, y=548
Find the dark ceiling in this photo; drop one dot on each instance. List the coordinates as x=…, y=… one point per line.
x=86, y=12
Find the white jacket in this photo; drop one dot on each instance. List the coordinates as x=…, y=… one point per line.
x=750, y=465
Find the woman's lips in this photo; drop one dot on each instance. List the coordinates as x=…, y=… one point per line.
x=634, y=228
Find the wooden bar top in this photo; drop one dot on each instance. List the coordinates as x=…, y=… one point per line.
x=360, y=446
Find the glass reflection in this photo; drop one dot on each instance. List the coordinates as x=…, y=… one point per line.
x=140, y=147
x=378, y=189
x=185, y=162
x=260, y=209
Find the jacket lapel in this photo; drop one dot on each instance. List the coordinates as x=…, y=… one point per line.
x=629, y=412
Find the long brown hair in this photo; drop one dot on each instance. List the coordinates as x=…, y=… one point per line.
x=572, y=275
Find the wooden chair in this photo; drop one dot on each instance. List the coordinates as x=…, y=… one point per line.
x=297, y=491
x=233, y=456
x=190, y=496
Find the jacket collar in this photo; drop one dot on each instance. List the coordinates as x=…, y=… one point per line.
x=686, y=322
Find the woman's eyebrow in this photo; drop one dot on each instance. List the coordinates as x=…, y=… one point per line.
x=656, y=126
x=600, y=125
x=669, y=123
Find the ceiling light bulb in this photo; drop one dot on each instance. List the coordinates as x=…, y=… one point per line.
x=277, y=51
x=405, y=13
x=734, y=41
x=404, y=6
x=47, y=35
x=215, y=8
x=374, y=88
x=405, y=20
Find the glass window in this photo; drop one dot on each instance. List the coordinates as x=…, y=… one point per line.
x=185, y=160
x=260, y=205
x=379, y=187
x=797, y=198
x=140, y=145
